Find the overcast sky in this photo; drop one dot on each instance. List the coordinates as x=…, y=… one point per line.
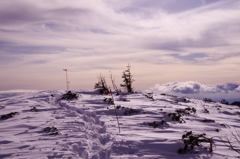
x=163, y=40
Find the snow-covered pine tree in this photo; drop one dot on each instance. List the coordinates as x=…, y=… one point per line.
x=127, y=79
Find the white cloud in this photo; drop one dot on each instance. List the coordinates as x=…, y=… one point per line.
x=191, y=87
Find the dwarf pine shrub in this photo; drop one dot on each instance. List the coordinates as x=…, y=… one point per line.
x=208, y=100
x=10, y=115
x=34, y=109
x=102, y=85
x=108, y=100
x=177, y=117
x=191, y=141
x=69, y=96
x=51, y=130
x=156, y=124
x=131, y=111
x=224, y=102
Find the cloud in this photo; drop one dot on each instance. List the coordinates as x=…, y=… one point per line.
x=86, y=23
x=99, y=35
x=228, y=87
x=169, y=6
x=39, y=62
x=190, y=57
x=191, y=87
x=15, y=49
x=18, y=15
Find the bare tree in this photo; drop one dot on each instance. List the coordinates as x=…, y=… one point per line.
x=114, y=85
x=227, y=141
x=102, y=85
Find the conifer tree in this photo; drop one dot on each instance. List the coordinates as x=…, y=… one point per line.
x=127, y=79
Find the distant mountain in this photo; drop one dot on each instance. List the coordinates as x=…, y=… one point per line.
x=236, y=103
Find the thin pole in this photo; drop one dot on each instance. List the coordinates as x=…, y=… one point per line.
x=67, y=80
x=115, y=109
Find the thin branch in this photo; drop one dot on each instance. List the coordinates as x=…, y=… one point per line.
x=115, y=110
x=228, y=143
x=236, y=136
x=114, y=85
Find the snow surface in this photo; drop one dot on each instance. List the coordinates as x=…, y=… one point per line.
x=14, y=92
x=87, y=127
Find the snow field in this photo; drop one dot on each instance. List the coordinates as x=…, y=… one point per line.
x=87, y=127
x=145, y=141
x=81, y=133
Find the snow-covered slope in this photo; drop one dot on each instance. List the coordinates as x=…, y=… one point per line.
x=87, y=127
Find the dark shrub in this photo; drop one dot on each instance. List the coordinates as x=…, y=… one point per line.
x=55, y=133
x=102, y=85
x=156, y=124
x=70, y=96
x=124, y=99
x=131, y=111
x=50, y=129
x=119, y=107
x=34, y=109
x=186, y=111
x=149, y=95
x=10, y=115
x=191, y=140
x=208, y=100
x=225, y=125
x=185, y=100
x=209, y=120
x=177, y=117
x=224, y=102
x=206, y=110
x=108, y=100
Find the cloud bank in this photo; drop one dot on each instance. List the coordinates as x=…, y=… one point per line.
x=191, y=87
x=178, y=38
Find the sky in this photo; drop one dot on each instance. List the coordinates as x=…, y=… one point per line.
x=163, y=41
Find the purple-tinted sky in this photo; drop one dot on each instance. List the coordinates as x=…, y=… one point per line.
x=163, y=40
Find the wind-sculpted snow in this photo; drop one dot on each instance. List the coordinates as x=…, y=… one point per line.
x=46, y=127
x=57, y=130
x=195, y=88
x=15, y=92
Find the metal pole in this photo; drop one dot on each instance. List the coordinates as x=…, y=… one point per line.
x=67, y=80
